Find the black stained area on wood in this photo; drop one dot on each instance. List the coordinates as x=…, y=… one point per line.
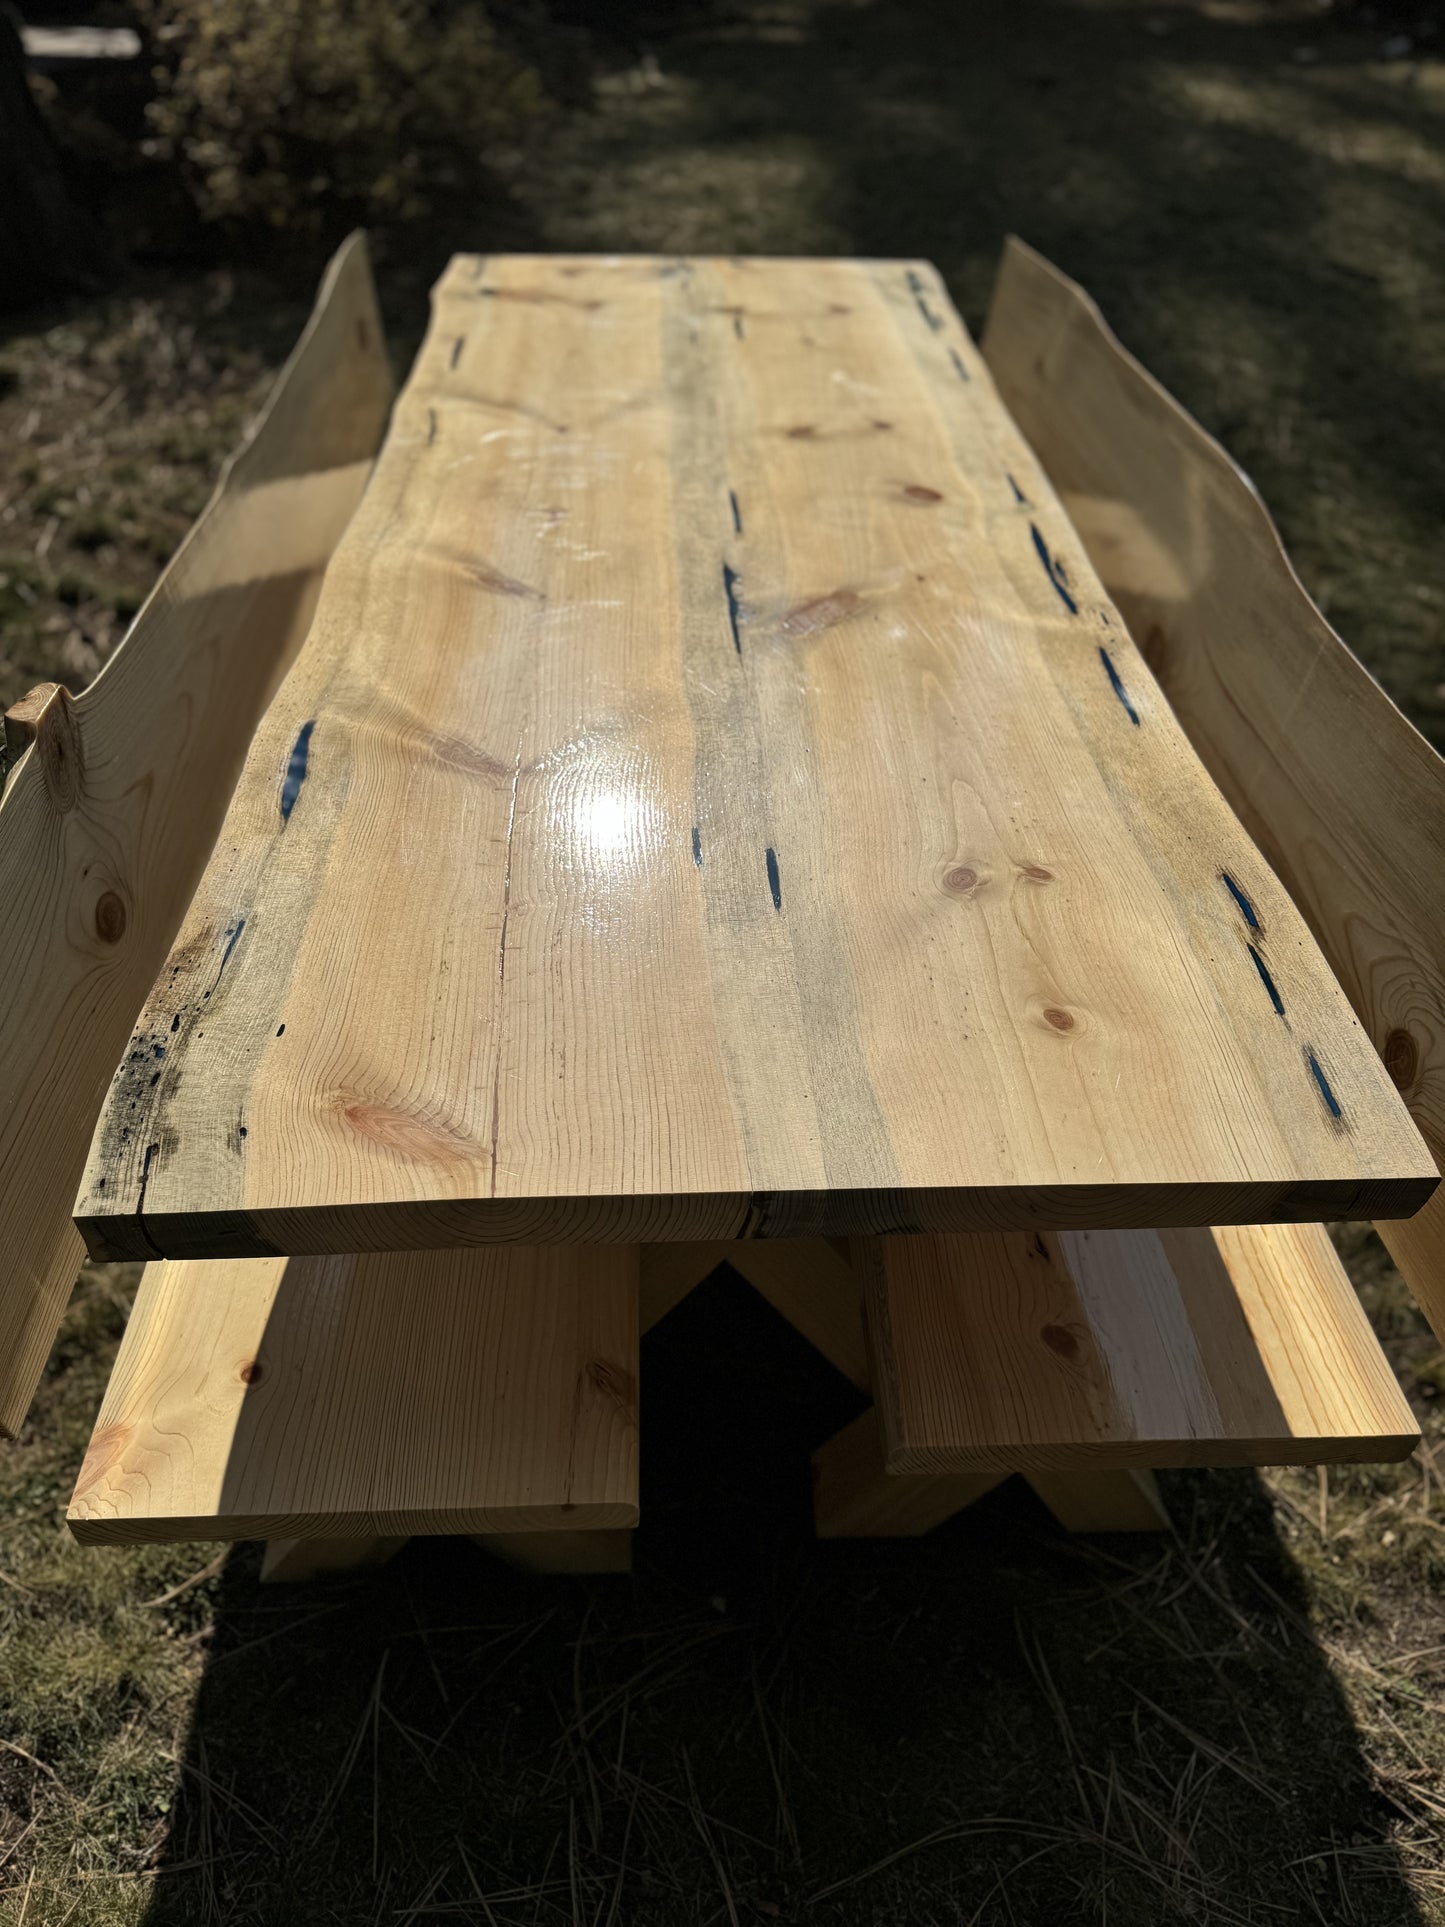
x=960, y=367
x=140, y=1203
x=1117, y=683
x=457, y=346
x=730, y=591
x=697, y=846
x=917, y=288
x=431, y=426
x=737, y=512
x=1053, y=570
x=296, y=770
x=155, y=1062
x=775, y=880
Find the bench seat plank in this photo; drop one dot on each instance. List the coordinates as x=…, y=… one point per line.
x=442, y=1392
x=1075, y=1350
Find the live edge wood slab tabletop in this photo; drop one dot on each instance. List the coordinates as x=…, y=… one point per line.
x=717, y=799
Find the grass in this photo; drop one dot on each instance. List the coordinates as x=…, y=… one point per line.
x=1243, y=1722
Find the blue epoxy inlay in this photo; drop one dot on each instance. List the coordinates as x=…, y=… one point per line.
x=697, y=846
x=145, y=1178
x=730, y=590
x=1267, y=981
x=1019, y=495
x=916, y=287
x=775, y=881
x=1246, y=908
x=1053, y=571
x=235, y=938
x=737, y=513
x=296, y=770
x=1119, y=690
x=960, y=368
x=1331, y=1101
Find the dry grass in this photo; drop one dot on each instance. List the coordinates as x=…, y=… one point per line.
x=1242, y=1723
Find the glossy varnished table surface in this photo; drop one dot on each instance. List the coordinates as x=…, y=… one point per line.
x=717, y=799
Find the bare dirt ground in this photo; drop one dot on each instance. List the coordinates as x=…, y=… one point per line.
x=1242, y=1723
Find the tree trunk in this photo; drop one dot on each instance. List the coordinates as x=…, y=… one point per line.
x=48, y=245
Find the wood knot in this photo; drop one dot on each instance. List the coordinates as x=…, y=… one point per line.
x=110, y=917
x=960, y=880
x=1059, y=1019
x=916, y=492
x=1036, y=873
x=1402, y=1058
x=803, y=432
x=612, y=1382
x=253, y=1373
x=1060, y=1340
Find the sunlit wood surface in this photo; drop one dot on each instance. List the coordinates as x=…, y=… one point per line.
x=109, y=816
x=716, y=798
x=1345, y=797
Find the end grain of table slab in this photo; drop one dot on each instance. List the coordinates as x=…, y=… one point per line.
x=717, y=799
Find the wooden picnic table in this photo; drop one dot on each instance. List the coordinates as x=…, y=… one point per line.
x=717, y=799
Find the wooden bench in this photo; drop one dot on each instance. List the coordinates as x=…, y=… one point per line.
x=1084, y=1360
x=331, y=1406
x=336, y=1406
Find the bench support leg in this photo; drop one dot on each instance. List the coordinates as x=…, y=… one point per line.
x=291, y=1560
x=1121, y=1500
x=608, y=1549
x=854, y=1498
x=807, y=1281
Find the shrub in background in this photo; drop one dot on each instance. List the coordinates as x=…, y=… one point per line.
x=305, y=113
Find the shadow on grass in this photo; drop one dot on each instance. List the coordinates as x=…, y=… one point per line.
x=995, y=1722
x=1259, y=230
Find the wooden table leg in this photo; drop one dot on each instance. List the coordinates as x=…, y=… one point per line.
x=291, y=1560
x=609, y=1549
x=1122, y=1500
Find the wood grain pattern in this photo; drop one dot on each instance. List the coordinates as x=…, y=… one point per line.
x=109, y=816
x=1076, y=1351
x=1341, y=794
x=446, y=1392
x=717, y=799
